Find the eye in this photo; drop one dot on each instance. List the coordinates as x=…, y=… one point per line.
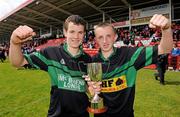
x=71, y=31
x=81, y=33
x=108, y=36
x=100, y=38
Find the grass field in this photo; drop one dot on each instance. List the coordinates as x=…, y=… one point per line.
x=25, y=93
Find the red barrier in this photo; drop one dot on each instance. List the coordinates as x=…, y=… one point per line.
x=52, y=42
x=91, y=52
x=174, y=62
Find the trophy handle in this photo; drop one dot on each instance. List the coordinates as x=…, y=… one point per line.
x=79, y=66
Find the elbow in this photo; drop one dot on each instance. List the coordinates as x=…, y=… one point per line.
x=171, y=47
x=165, y=49
x=15, y=64
x=168, y=51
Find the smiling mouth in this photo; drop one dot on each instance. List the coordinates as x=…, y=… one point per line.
x=75, y=40
x=105, y=45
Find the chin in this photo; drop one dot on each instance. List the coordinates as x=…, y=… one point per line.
x=76, y=46
x=106, y=50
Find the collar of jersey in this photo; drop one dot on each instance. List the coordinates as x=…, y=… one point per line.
x=79, y=54
x=113, y=53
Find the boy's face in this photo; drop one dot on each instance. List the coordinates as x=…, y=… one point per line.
x=74, y=35
x=105, y=37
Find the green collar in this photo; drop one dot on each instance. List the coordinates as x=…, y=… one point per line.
x=76, y=56
x=113, y=53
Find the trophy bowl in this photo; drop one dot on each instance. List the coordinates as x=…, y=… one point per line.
x=95, y=73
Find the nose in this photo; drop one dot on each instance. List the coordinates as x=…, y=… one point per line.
x=104, y=40
x=76, y=35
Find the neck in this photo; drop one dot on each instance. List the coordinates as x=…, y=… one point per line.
x=73, y=51
x=106, y=54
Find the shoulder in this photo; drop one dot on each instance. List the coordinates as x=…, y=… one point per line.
x=126, y=49
x=52, y=48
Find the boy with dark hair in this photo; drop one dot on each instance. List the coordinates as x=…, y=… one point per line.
x=68, y=97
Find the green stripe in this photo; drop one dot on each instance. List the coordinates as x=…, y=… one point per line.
x=131, y=76
x=135, y=55
x=53, y=76
x=58, y=65
x=117, y=70
x=30, y=61
x=149, y=53
x=125, y=66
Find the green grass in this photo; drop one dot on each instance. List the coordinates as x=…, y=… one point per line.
x=25, y=93
x=155, y=100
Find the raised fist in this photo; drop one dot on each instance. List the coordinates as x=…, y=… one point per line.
x=159, y=21
x=22, y=34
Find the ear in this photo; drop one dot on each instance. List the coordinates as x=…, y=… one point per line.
x=115, y=37
x=95, y=39
x=65, y=32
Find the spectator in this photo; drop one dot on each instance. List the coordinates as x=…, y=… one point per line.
x=175, y=51
x=161, y=64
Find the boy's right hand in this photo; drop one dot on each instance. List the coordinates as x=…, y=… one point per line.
x=22, y=34
x=93, y=87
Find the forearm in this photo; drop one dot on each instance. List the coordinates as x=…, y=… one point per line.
x=166, y=42
x=15, y=55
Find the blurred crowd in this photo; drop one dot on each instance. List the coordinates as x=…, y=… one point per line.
x=138, y=36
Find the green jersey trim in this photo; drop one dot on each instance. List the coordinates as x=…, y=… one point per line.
x=101, y=55
x=30, y=61
x=56, y=64
x=76, y=56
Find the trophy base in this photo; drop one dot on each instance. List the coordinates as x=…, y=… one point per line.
x=97, y=107
x=96, y=111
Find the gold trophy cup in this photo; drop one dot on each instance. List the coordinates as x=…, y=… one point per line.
x=95, y=73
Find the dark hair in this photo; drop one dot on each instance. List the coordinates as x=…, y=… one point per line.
x=105, y=24
x=76, y=19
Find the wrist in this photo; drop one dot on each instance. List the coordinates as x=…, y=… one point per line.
x=167, y=27
x=15, y=40
x=12, y=42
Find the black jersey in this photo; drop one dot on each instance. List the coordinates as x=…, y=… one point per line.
x=119, y=76
x=68, y=97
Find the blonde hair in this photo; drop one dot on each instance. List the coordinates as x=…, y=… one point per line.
x=105, y=24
